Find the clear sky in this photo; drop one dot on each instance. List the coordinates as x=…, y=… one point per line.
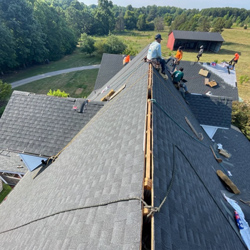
x=188, y=4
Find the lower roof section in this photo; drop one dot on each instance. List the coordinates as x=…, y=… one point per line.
x=193, y=216
x=85, y=199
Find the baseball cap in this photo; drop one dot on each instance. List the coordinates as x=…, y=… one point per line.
x=158, y=36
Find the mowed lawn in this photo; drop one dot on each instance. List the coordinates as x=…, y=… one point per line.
x=76, y=84
x=236, y=39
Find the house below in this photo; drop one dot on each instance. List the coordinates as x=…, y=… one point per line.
x=192, y=40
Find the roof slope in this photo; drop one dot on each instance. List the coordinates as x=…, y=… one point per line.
x=103, y=164
x=235, y=143
x=111, y=64
x=197, y=35
x=193, y=216
x=211, y=110
x=40, y=124
x=195, y=82
x=11, y=162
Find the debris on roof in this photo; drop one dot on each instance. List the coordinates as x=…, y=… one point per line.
x=107, y=97
x=203, y=72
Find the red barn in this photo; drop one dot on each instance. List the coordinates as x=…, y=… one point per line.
x=192, y=40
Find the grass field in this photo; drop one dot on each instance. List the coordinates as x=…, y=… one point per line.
x=236, y=39
x=5, y=192
x=70, y=83
x=76, y=59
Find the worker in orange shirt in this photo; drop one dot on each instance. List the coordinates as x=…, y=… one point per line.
x=126, y=60
x=178, y=56
x=235, y=59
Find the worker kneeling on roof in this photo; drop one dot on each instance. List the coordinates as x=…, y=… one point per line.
x=177, y=77
x=154, y=52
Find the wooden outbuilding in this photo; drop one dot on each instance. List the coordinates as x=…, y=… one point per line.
x=192, y=40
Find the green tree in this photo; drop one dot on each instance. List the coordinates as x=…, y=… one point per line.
x=152, y=13
x=228, y=24
x=119, y=26
x=7, y=49
x=105, y=20
x=17, y=16
x=130, y=20
x=168, y=19
x=203, y=24
x=241, y=117
x=59, y=38
x=87, y=44
x=159, y=23
x=114, y=45
x=5, y=91
x=141, y=23
x=218, y=25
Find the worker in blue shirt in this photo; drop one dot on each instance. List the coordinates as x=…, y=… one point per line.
x=154, y=52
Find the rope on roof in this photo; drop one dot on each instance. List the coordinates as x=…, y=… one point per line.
x=78, y=208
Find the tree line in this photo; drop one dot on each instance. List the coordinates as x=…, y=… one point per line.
x=38, y=31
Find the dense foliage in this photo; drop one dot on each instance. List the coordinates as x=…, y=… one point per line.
x=37, y=31
x=241, y=117
x=5, y=93
x=57, y=93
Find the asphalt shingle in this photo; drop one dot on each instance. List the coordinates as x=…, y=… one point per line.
x=192, y=216
x=104, y=163
x=211, y=110
x=40, y=124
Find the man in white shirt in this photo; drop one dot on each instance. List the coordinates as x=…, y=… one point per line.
x=154, y=52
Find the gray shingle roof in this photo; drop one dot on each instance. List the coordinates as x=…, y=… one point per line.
x=238, y=146
x=195, y=82
x=193, y=216
x=196, y=35
x=111, y=64
x=40, y=124
x=211, y=110
x=11, y=162
x=104, y=163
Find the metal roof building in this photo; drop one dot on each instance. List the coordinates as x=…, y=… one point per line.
x=192, y=40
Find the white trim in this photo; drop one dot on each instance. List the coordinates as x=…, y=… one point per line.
x=211, y=130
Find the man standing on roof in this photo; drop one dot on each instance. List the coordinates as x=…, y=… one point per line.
x=234, y=60
x=200, y=53
x=154, y=52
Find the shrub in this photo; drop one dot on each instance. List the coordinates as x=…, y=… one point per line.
x=130, y=51
x=114, y=45
x=241, y=117
x=58, y=93
x=87, y=44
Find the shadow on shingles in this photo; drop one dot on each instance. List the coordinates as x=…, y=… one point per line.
x=40, y=169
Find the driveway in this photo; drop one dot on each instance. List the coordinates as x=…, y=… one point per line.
x=49, y=74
